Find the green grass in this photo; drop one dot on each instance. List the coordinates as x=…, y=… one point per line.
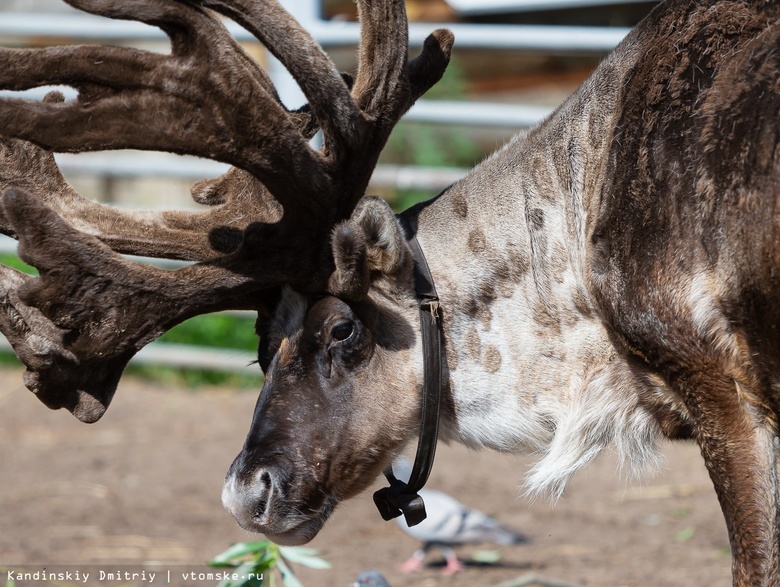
x=215, y=330
x=227, y=331
x=14, y=262
x=195, y=378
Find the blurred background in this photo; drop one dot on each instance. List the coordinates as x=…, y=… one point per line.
x=142, y=486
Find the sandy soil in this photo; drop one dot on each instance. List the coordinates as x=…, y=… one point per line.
x=142, y=487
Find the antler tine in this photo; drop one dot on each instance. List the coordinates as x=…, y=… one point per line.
x=381, y=84
x=428, y=67
x=294, y=47
x=386, y=85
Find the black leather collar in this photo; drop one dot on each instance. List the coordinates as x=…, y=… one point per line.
x=402, y=498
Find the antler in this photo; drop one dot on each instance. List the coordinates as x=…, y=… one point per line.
x=236, y=199
x=77, y=325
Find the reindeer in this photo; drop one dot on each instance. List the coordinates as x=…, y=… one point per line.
x=607, y=279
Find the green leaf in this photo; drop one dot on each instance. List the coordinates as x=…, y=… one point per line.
x=302, y=550
x=685, y=534
x=304, y=556
x=288, y=577
x=488, y=557
x=239, y=550
x=260, y=558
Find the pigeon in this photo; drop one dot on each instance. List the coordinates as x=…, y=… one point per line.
x=449, y=523
x=371, y=579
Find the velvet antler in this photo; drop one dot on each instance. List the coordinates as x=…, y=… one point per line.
x=78, y=323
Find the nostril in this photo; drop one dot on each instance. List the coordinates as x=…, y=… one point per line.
x=262, y=493
x=262, y=505
x=265, y=479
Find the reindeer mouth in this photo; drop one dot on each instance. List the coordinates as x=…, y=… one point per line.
x=289, y=522
x=288, y=527
x=299, y=534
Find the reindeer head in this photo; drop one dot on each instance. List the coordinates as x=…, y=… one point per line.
x=286, y=235
x=335, y=408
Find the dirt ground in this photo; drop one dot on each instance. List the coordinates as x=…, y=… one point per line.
x=142, y=487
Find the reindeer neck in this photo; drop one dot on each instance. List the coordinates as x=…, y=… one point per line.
x=532, y=367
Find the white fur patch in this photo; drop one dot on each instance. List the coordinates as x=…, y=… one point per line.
x=603, y=413
x=713, y=327
x=565, y=396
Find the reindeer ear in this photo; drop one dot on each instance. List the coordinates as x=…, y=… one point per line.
x=385, y=245
x=370, y=241
x=351, y=279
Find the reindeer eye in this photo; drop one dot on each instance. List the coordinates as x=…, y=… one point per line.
x=342, y=331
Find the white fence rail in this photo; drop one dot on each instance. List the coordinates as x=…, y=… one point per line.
x=188, y=357
x=535, y=38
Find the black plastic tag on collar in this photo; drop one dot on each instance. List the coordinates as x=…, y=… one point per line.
x=398, y=499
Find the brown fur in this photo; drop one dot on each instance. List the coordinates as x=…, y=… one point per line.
x=641, y=216
x=694, y=163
